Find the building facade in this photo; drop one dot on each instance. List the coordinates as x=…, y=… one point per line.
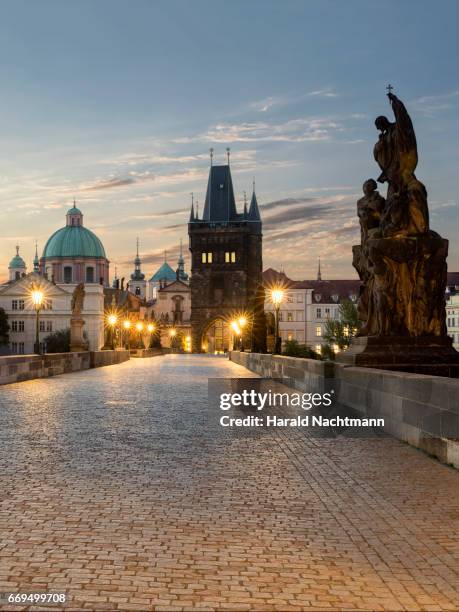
x=226, y=267
x=308, y=305
x=452, y=314
x=72, y=255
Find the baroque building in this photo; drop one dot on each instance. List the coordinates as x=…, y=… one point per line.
x=226, y=267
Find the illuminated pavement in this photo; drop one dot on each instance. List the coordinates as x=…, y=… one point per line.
x=120, y=488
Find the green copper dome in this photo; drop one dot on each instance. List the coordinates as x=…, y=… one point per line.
x=74, y=240
x=17, y=261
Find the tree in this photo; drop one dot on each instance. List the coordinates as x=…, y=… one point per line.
x=292, y=348
x=4, y=328
x=58, y=341
x=338, y=333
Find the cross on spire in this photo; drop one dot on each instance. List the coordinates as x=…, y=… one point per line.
x=211, y=150
x=389, y=89
x=228, y=150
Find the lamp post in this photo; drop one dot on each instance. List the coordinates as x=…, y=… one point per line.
x=139, y=328
x=112, y=320
x=150, y=329
x=237, y=331
x=127, y=330
x=277, y=297
x=37, y=297
x=172, y=335
x=242, y=321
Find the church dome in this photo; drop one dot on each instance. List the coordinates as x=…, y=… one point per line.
x=74, y=240
x=17, y=261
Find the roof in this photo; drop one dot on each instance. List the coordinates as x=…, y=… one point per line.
x=74, y=211
x=254, y=211
x=17, y=261
x=73, y=241
x=220, y=204
x=343, y=289
x=165, y=272
x=177, y=286
x=453, y=279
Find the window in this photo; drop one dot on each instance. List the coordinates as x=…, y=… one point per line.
x=90, y=275
x=137, y=290
x=318, y=348
x=17, y=326
x=206, y=257
x=290, y=298
x=281, y=316
x=14, y=347
x=319, y=331
x=17, y=305
x=17, y=275
x=67, y=274
x=327, y=313
x=299, y=315
x=230, y=257
x=21, y=348
x=48, y=305
x=290, y=335
x=319, y=313
x=21, y=326
x=290, y=316
x=49, y=326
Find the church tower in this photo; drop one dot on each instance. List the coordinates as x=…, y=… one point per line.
x=226, y=267
x=138, y=284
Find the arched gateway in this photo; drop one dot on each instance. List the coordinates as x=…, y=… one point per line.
x=226, y=259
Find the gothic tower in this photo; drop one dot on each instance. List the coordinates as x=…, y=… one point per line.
x=226, y=267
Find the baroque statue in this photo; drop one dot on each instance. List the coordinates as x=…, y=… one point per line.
x=400, y=260
x=78, y=300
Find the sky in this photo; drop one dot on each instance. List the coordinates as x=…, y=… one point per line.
x=116, y=103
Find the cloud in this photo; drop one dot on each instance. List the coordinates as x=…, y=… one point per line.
x=432, y=105
x=294, y=130
x=323, y=93
x=109, y=184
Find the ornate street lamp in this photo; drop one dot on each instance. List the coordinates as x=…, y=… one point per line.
x=242, y=321
x=127, y=330
x=277, y=296
x=37, y=296
x=139, y=328
x=112, y=321
x=237, y=331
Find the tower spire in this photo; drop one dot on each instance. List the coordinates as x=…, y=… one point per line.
x=192, y=217
x=36, y=261
x=319, y=274
x=137, y=248
x=245, y=204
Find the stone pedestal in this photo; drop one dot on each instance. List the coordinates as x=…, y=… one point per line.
x=432, y=355
x=77, y=341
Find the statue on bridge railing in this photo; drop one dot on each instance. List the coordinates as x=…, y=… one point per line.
x=400, y=261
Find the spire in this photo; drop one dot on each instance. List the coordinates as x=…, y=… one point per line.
x=220, y=205
x=319, y=274
x=181, y=274
x=197, y=211
x=254, y=212
x=192, y=217
x=36, y=261
x=17, y=250
x=165, y=256
x=245, y=204
x=228, y=150
x=137, y=274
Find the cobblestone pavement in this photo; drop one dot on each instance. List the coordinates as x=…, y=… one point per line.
x=120, y=488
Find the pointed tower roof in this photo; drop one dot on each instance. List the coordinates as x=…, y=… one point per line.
x=137, y=274
x=36, y=261
x=319, y=274
x=182, y=275
x=220, y=205
x=254, y=211
x=192, y=217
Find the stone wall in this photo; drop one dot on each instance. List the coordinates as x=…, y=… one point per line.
x=106, y=358
x=418, y=409
x=17, y=368
x=141, y=353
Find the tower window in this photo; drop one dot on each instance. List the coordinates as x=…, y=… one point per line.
x=206, y=258
x=319, y=331
x=67, y=274
x=90, y=275
x=230, y=257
